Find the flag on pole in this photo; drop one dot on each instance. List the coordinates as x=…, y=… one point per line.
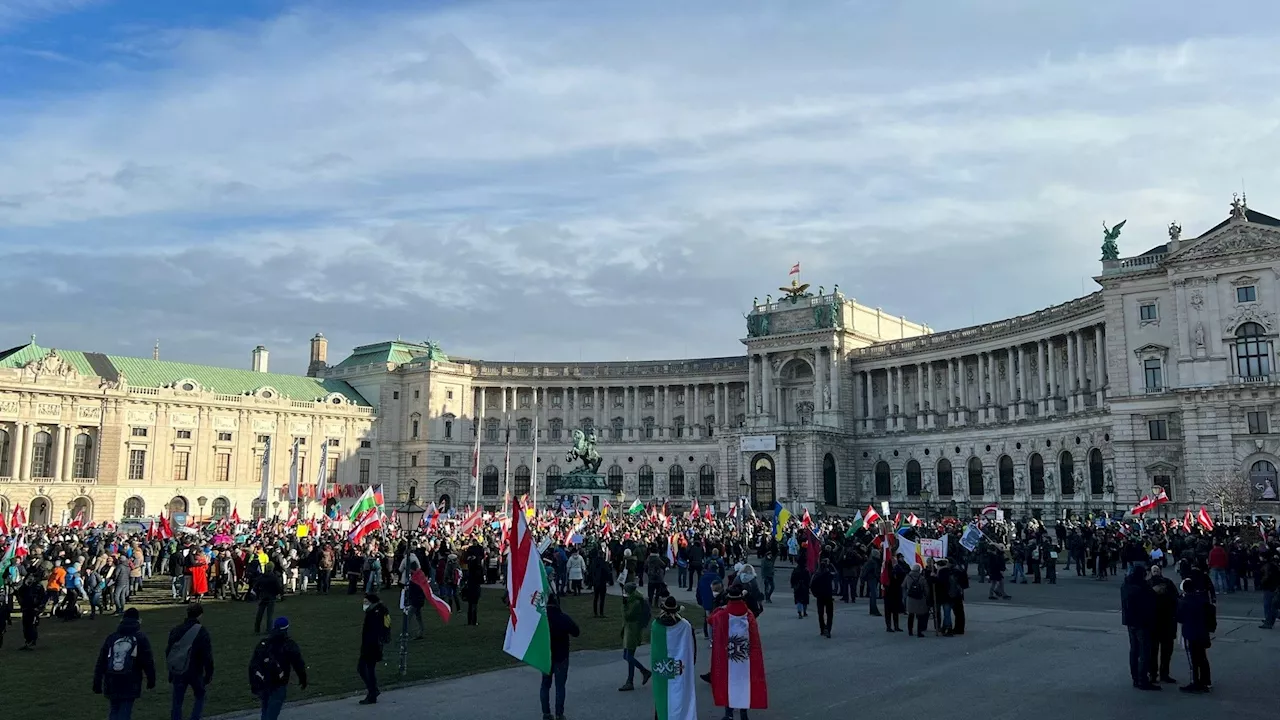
x=475, y=463
x=858, y=524
x=636, y=508
x=442, y=607
x=266, y=471
x=795, y=269
x=293, y=472
x=989, y=510
x=534, y=477
x=871, y=517
x=364, y=504
x=1204, y=519
x=371, y=521
x=805, y=520
x=322, y=473
x=19, y=517
x=9, y=560
x=528, y=636
x=1186, y=521
x=781, y=516
x=235, y=515
x=506, y=470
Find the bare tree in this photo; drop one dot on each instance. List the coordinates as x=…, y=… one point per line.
x=1230, y=494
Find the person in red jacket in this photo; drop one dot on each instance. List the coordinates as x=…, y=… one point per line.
x=737, y=658
x=1218, y=564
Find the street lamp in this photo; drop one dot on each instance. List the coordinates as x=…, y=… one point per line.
x=201, y=501
x=925, y=496
x=410, y=514
x=744, y=490
x=1111, y=490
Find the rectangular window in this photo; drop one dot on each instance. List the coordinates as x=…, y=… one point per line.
x=413, y=460
x=366, y=444
x=414, y=430
x=522, y=433
x=1246, y=294
x=181, y=463
x=1164, y=482
x=1258, y=423
x=138, y=432
x=1147, y=312
x=137, y=464
x=224, y=437
x=222, y=467
x=364, y=471
x=263, y=439
x=331, y=470
x=448, y=429
x=448, y=460
x=1153, y=374
x=184, y=434
x=395, y=395
x=555, y=432
x=417, y=394
x=1158, y=429
x=334, y=442
x=448, y=394
x=301, y=441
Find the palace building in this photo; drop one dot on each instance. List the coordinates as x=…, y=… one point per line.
x=1163, y=377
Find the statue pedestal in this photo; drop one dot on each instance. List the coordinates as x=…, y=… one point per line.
x=579, y=482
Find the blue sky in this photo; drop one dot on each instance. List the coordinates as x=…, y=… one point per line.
x=597, y=180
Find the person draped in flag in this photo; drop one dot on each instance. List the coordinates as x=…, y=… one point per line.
x=673, y=657
x=737, y=658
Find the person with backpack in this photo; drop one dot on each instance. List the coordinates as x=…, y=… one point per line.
x=916, y=601
x=124, y=659
x=273, y=658
x=189, y=657
x=375, y=633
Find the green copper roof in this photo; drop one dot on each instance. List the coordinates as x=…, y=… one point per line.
x=395, y=352
x=144, y=372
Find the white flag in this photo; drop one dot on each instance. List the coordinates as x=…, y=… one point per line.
x=323, y=473
x=293, y=474
x=266, y=471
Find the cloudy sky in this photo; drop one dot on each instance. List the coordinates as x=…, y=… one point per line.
x=597, y=180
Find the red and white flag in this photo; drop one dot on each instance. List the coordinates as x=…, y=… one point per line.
x=370, y=521
x=989, y=510
x=4, y=527
x=871, y=517
x=737, y=660
x=805, y=520
x=1186, y=521
x=1204, y=519
x=706, y=514
x=913, y=521
x=235, y=515
x=795, y=269
x=78, y=522
x=18, y=519
x=693, y=511
x=442, y=607
x=470, y=522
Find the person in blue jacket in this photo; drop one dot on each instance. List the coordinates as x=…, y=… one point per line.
x=709, y=587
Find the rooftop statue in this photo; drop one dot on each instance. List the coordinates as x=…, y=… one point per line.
x=795, y=291
x=1111, y=251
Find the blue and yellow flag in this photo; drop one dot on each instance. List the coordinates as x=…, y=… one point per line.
x=781, y=516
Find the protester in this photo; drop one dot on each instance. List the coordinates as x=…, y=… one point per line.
x=673, y=655
x=635, y=616
x=274, y=659
x=189, y=659
x=123, y=661
x=562, y=627
x=1199, y=621
x=374, y=634
x=737, y=658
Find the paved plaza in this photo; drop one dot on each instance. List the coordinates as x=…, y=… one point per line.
x=1052, y=652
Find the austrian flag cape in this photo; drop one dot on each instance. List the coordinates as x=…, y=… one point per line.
x=671, y=658
x=737, y=660
x=528, y=633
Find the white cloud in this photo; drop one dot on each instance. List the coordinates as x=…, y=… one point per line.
x=492, y=163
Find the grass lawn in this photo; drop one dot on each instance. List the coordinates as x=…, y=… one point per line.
x=326, y=628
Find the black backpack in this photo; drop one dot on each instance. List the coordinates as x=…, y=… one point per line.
x=267, y=669
x=916, y=590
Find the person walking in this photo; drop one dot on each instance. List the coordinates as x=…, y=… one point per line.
x=274, y=658
x=1137, y=613
x=1199, y=620
x=267, y=587
x=189, y=658
x=123, y=661
x=673, y=651
x=375, y=632
x=1269, y=584
x=562, y=627
x=635, y=616
x=31, y=599
x=601, y=578
x=822, y=585
x=800, y=581
x=767, y=572
x=737, y=674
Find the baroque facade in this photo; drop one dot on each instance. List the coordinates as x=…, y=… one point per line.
x=1163, y=377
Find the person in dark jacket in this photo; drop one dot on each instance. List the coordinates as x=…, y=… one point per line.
x=373, y=635
x=1269, y=584
x=471, y=586
x=31, y=598
x=1164, y=630
x=267, y=587
x=601, y=578
x=562, y=628
x=800, y=589
x=272, y=690
x=191, y=666
x=1199, y=621
x=822, y=585
x=1137, y=612
x=125, y=658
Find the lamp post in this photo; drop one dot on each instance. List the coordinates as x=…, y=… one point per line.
x=925, y=496
x=744, y=491
x=201, y=501
x=1111, y=490
x=410, y=514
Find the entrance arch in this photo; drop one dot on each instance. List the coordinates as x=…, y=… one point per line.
x=830, y=494
x=446, y=491
x=38, y=511
x=82, y=504
x=764, y=485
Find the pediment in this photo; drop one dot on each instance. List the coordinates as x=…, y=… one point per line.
x=1235, y=237
x=1161, y=466
x=1152, y=349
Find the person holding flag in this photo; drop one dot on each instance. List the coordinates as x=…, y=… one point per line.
x=737, y=661
x=673, y=656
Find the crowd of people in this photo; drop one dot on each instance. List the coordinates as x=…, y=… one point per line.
x=729, y=564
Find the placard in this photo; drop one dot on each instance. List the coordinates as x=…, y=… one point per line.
x=758, y=443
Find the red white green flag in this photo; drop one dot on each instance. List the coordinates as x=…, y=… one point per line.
x=528, y=636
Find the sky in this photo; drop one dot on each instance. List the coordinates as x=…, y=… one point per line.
x=565, y=181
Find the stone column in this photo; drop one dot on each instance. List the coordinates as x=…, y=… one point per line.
x=26, y=436
x=59, y=442
x=834, y=352
x=15, y=450
x=766, y=385
x=667, y=402
x=1072, y=361
x=698, y=418
x=1012, y=405
x=1024, y=389
x=951, y=384
x=900, y=399
x=982, y=386
x=819, y=382
x=68, y=454
x=919, y=396
x=932, y=411
x=1041, y=390
x=1100, y=365
x=1055, y=379
x=868, y=398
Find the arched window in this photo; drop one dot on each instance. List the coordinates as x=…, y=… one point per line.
x=913, y=479
x=4, y=507
x=707, y=481
x=646, y=481
x=41, y=454
x=615, y=479
x=221, y=508
x=134, y=507
x=946, y=485
x=553, y=478
x=257, y=509
x=1006, y=475
x=830, y=481
x=415, y=425
x=1036, y=467
x=522, y=481
x=489, y=482
x=975, y=477
x=883, y=486
x=4, y=453
x=1067, y=472
x=675, y=481
x=1262, y=478
x=1253, y=351
x=178, y=504
x=82, y=459
x=1095, y=472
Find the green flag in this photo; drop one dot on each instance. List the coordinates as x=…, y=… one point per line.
x=857, y=525
x=636, y=508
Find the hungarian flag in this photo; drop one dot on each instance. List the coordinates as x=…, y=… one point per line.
x=370, y=521
x=671, y=656
x=442, y=607
x=737, y=661
x=636, y=507
x=528, y=636
x=1204, y=519
x=858, y=523
x=9, y=559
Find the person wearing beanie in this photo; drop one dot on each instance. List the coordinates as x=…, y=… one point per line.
x=737, y=674
x=375, y=633
x=189, y=658
x=562, y=627
x=673, y=656
x=124, y=659
x=274, y=658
